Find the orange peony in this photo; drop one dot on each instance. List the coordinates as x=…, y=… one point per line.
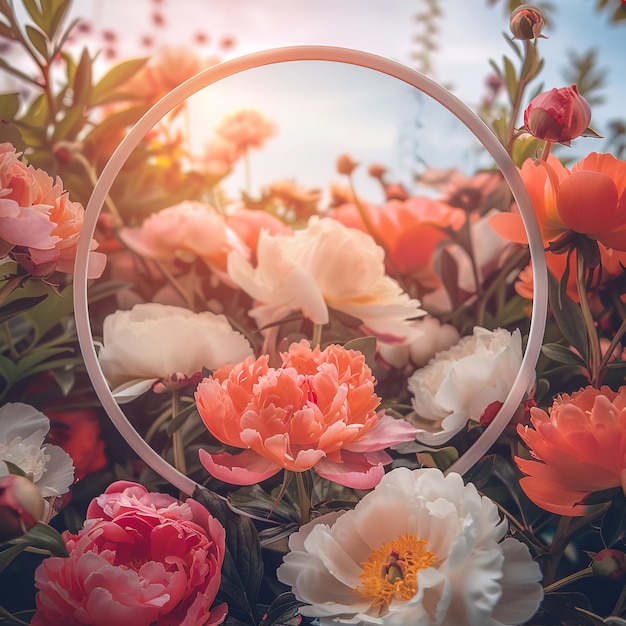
x=582, y=446
x=590, y=200
x=317, y=411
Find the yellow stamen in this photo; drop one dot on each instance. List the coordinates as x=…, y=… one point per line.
x=391, y=570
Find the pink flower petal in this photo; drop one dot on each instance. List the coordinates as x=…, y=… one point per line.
x=245, y=468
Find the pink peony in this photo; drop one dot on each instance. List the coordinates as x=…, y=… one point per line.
x=141, y=559
x=245, y=129
x=39, y=225
x=317, y=411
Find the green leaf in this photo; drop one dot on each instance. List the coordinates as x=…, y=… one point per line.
x=450, y=276
x=115, y=123
x=613, y=529
x=178, y=420
x=561, y=354
x=283, y=611
x=69, y=126
x=82, y=80
x=116, y=76
x=38, y=113
x=242, y=571
x=20, y=305
x=11, y=133
x=568, y=317
x=41, y=537
x=255, y=501
x=510, y=78
x=8, y=67
x=366, y=346
x=28, y=364
x=54, y=16
x=9, y=105
x=39, y=41
x=481, y=472
x=34, y=11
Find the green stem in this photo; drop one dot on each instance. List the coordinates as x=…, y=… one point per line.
x=546, y=150
x=316, y=337
x=595, y=354
x=596, y=382
x=556, y=549
x=177, y=438
x=620, y=604
x=188, y=298
x=516, y=102
x=511, y=263
x=583, y=573
x=11, y=617
x=305, y=500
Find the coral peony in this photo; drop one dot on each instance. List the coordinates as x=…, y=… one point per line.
x=318, y=411
x=39, y=225
x=590, y=200
x=325, y=265
x=582, y=446
x=141, y=559
x=155, y=342
x=421, y=549
x=460, y=383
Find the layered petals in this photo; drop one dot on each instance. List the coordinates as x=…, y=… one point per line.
x=579, y=447
x=142, y=562
x=448, y=542
x=317, y=411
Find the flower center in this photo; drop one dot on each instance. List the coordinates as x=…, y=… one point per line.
x=391, y=570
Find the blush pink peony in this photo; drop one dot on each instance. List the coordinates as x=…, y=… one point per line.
x=318, y=411
x=141, y=559
x=39, y=225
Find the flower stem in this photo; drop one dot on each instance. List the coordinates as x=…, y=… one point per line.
x=583, y=573
x=316, y=337
x=9, y=287
x=11, y=617
x=305, y=500
x=546, y=150
x=595, y=354
x=177, y=438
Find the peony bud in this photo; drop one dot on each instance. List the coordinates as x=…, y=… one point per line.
x=21, y=506
x=346, y=164
x=609, y=564
x=527, y=22
x=558, y=115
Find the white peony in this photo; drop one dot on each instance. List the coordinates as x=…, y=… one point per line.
x=454, y=565
x=23, y=430
x=152, y=342
x=325, y=265
x=458, y=384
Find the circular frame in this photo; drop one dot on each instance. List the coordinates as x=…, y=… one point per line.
x=349, y=56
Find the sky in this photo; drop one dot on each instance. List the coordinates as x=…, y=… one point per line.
x=359, y=113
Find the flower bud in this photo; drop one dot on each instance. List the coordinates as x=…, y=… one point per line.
x=346, y=164
x=527, y=22
x=609, y=563
x=558, y=115
x=21, y=506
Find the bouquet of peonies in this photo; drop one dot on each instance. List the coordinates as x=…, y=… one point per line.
x=315, y=368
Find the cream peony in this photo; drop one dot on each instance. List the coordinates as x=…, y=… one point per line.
x=460, y=383
x=23, y=430
x=152, y=342
x=325, y=265
x=420, y=549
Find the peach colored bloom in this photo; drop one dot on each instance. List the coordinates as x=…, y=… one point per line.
x=558, y=115
x=580, y=447
x=590, y=200
x=171, y=66
x=185, y=231
x=245, y=129
x=248, y=224
x=317, y=411
x=39, y=225
x=218, y=157
x=325, y=265
x=140, y=558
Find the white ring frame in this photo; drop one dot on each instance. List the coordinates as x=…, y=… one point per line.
x=377, y=63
